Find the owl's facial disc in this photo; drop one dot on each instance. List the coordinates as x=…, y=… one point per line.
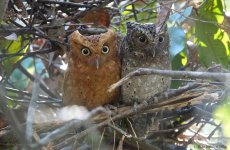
x=96, y=57
x=98, y=60
x=95, y=61
x=151, y=50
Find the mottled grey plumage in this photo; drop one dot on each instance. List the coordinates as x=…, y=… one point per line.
x=143, y=46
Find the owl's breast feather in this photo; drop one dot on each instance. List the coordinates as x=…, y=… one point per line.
x=87, y=86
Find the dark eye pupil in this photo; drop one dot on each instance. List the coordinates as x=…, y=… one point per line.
x=104, y=49
x=161, y=39
x=85, y=51
x=142, y=39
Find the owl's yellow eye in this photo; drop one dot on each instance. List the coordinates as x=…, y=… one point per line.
x=105, y=49
x=142, y=38
x=85, y=51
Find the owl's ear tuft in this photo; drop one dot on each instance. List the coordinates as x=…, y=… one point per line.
x=161, y=29
x=73, y=36
x=110, y=34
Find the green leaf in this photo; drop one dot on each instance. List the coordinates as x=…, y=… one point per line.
x=177, y=64
x=144, y=14
x=12, y=47
x=147, y=14
x=212, y=10
x=212, y=41
x=177, y=40
x=223, y=112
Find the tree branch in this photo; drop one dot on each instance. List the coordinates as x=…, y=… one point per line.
x=171, y=73
x=133, y=110
x=31, y=111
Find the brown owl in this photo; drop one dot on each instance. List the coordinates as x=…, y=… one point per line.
x=93, y=65
x=144, y=46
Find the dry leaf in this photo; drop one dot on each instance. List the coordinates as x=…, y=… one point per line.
x=98, y=17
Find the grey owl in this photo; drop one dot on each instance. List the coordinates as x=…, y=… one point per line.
x=143, y=47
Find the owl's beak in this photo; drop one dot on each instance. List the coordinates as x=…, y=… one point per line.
x=97, y=62
x=151, y=52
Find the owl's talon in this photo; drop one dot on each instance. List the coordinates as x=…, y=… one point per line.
x=101, y=109
x=155, y=99
x=145, y=103
x=111, y=108
x=135, y=106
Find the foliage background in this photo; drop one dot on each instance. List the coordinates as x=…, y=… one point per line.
x=34, y=36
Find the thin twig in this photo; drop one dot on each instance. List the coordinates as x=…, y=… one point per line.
x=102, y=136
x=213, y=131
x=69, y=4
x=46, y=98
x=120, y=130
x=12, y=119
x=134, y=12
x=52, y=40
x=197, y=132
x=203, y=112
x=134, y=132
x=58, y=132
x=194, y=19
x=45, y=51
x=8, y=29
x=151, y=134
x=31, y=77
